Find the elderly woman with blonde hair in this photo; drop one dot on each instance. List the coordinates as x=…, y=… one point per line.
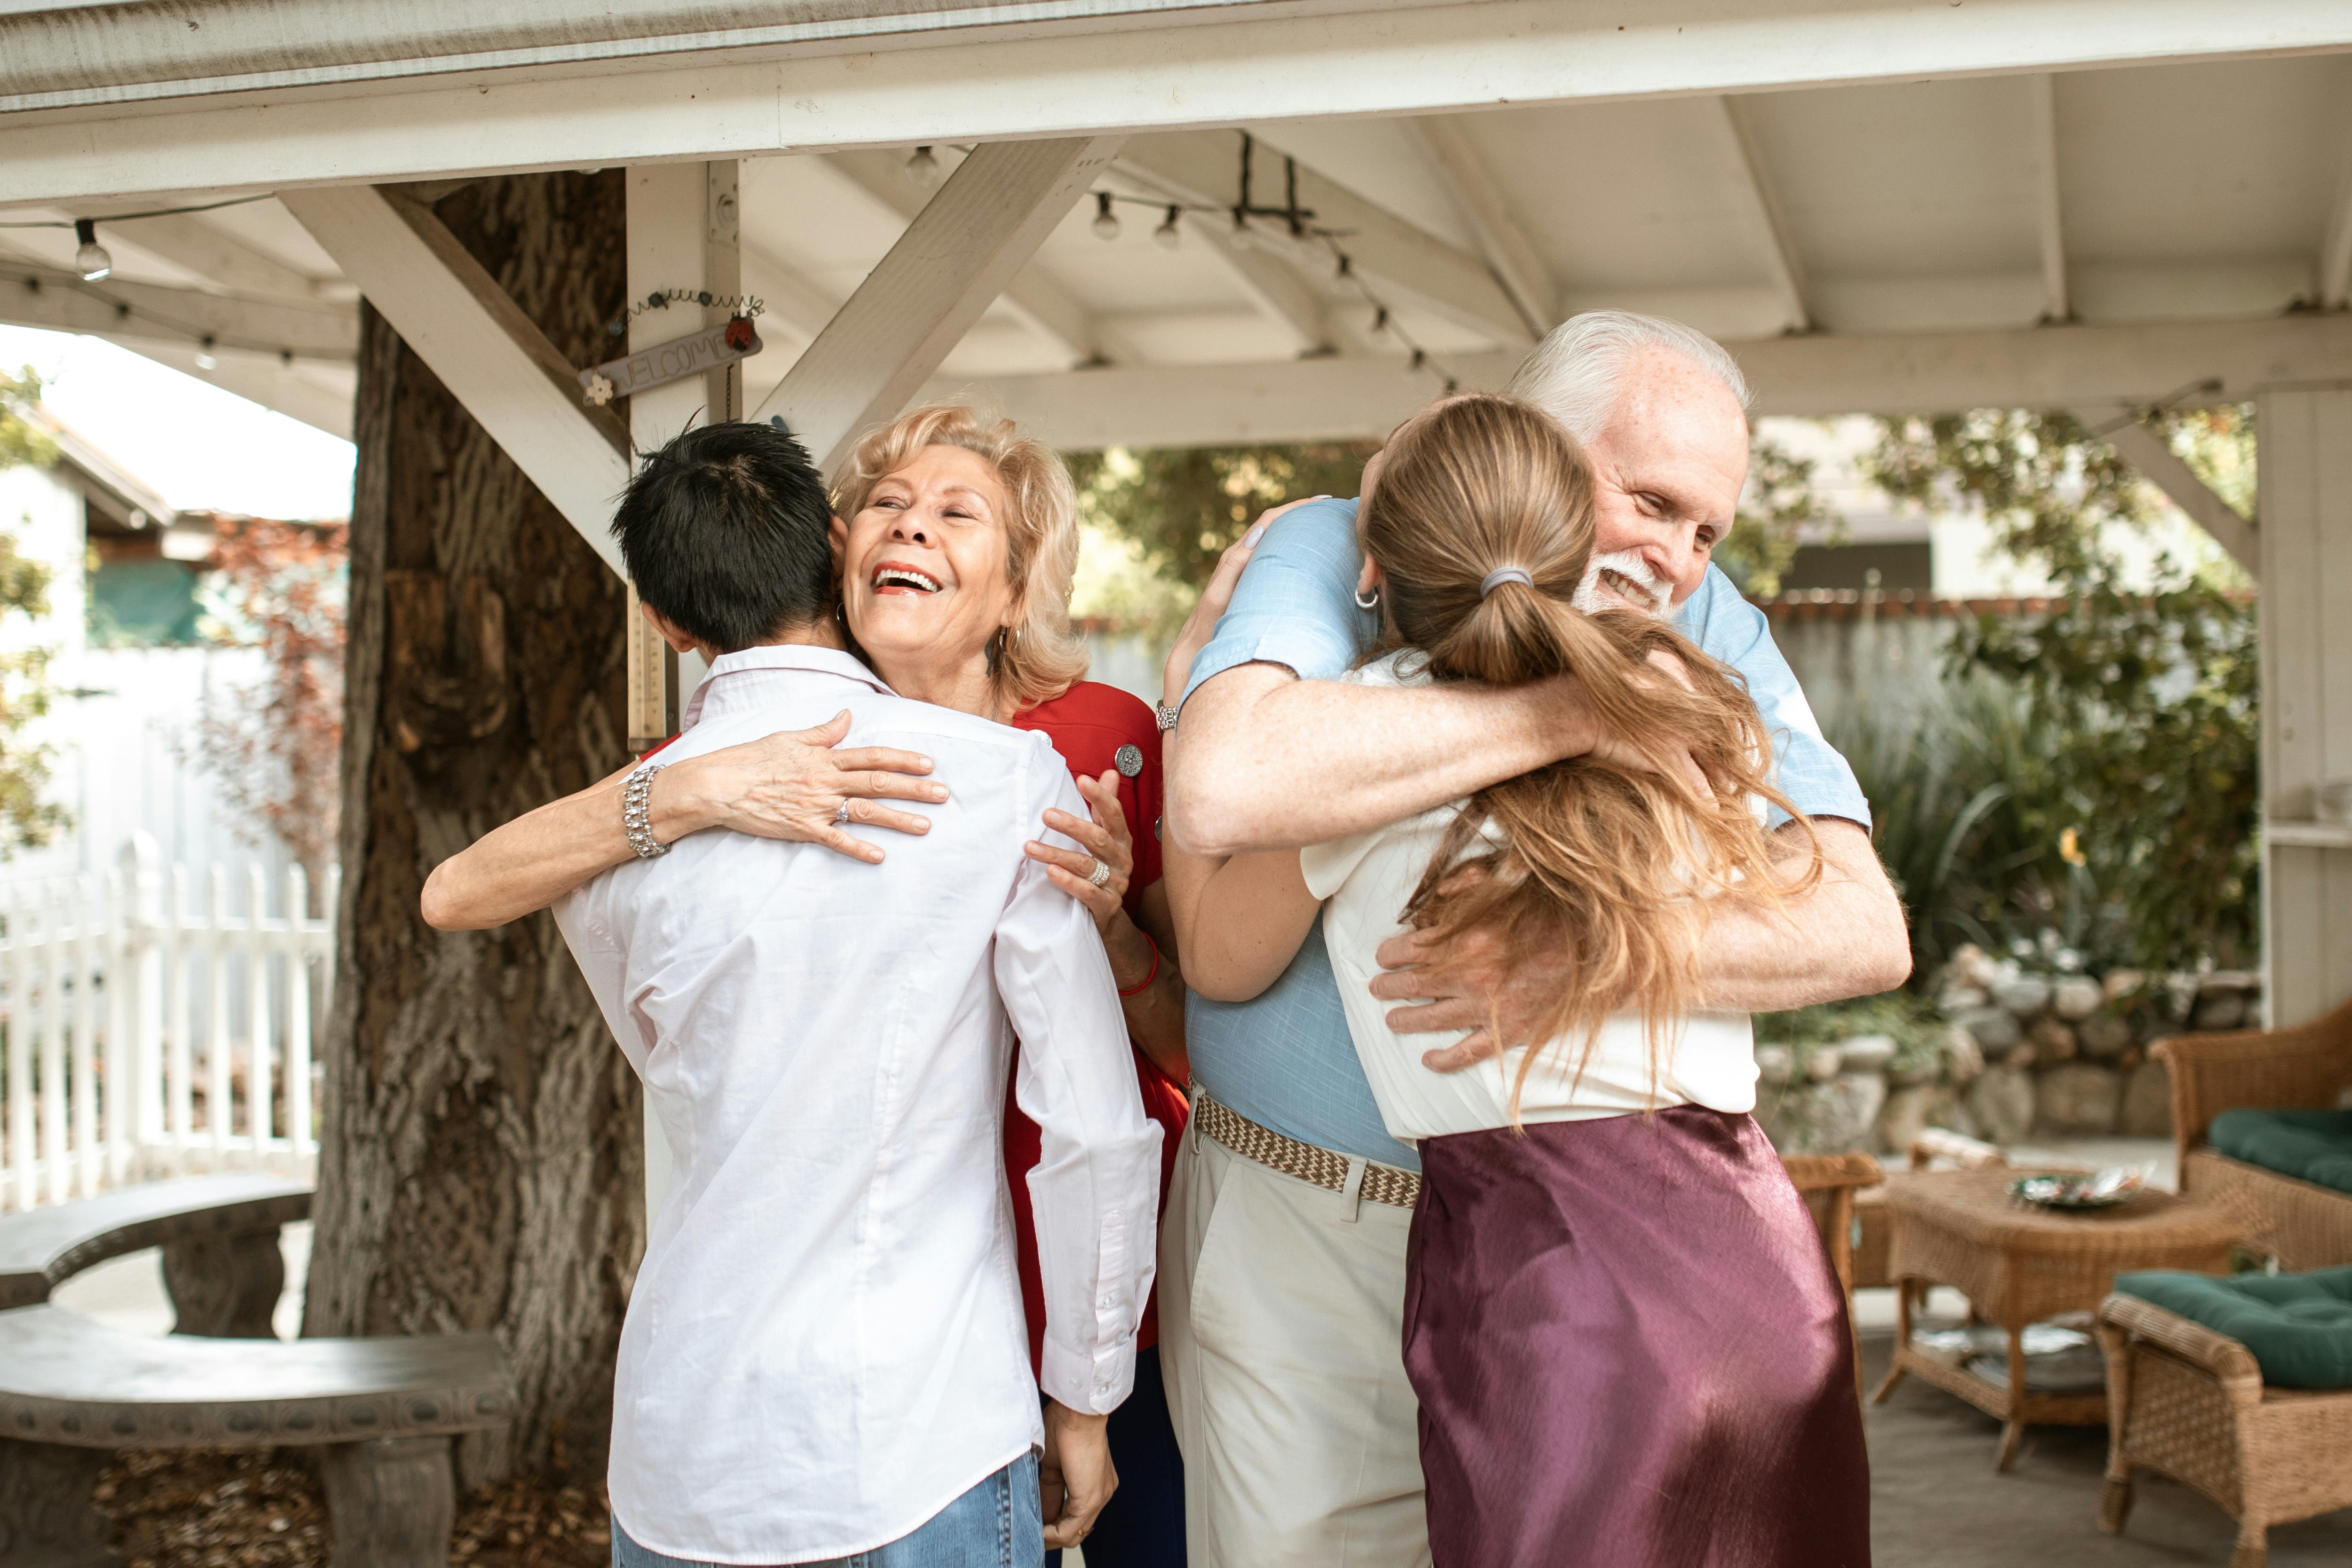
x=957, y=539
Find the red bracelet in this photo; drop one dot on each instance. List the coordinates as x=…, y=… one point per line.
x=1149, y=975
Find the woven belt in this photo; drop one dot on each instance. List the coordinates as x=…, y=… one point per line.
x=1309, y=1162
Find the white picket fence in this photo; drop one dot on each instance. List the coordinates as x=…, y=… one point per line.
x=151, y=1034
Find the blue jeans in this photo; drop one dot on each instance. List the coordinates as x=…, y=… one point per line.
x=996, y=1524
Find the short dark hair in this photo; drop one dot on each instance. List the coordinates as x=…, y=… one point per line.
x=726, y=531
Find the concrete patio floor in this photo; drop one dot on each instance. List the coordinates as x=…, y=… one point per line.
x=1937, y=1502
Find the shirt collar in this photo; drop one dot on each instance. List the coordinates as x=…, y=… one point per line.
x=781, y=656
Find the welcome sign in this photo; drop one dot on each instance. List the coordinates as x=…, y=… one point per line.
x=673, y=361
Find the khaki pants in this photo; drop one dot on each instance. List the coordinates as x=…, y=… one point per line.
x=1281, y=1332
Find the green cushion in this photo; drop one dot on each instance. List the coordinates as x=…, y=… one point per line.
x=2298, y=1326
x=2314, y=1144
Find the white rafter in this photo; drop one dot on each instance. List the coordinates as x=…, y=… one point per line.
x=1765, y=217
x=1044, y=306
x=2049, y=212
x=494, y=358
x=1403, y=259
x=962, y=249
x=32, y=295
x=1483, y=201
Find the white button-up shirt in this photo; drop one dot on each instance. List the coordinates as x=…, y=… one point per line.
x=825, y=1345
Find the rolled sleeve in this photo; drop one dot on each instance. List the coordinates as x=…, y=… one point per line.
x=1096, y=1187
x=1808, y=768
x=1296, y=604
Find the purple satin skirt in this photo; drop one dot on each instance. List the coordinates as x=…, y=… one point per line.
x=1630, y=1350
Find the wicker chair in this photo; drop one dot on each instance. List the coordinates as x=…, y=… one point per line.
x=2305, y=1225
x=1829, y=1183
x=1874, y=1233
x=2189, y=1403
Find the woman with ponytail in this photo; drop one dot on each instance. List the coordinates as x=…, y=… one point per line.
x=1626, y=1339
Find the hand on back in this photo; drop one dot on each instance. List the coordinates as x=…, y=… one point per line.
x=793, y=784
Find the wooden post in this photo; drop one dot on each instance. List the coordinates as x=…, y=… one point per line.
x=2306, y=544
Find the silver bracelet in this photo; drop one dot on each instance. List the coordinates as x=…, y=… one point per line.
x=635, y=821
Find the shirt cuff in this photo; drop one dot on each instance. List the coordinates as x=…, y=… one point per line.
x=1092, y=1384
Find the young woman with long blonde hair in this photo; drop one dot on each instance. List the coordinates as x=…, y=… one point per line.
x=1623, y=1329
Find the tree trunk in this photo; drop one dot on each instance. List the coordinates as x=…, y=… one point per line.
x=482, y=1163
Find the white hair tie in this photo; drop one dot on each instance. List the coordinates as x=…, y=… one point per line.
x=1503, y=574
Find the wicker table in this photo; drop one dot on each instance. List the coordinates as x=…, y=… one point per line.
x=2018, y=1265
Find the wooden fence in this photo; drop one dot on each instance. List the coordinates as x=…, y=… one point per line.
x=150, y=1032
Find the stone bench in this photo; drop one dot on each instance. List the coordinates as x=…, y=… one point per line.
x=383, y=1411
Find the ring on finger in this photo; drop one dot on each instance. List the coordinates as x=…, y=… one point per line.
x=841, y=813
x=1100, y=876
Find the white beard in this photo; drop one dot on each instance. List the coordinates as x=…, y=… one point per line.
x=1591, y=598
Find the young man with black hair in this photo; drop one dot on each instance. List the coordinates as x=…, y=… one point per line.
x=824, y=1355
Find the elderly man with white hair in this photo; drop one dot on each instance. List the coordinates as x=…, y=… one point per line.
x=1283, y=1250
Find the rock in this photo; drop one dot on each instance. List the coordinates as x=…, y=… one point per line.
x=2052, y=1041
x=1910, y=1112
x=2020, y=1056
x=2025, y=996
x=1822, y=1063
x=1866, y=1053
x=2103, y=1036
x=2219, y=1009
x=1861, y=1096
x=1994, y=1028
x=2147, y=1102
x=1775, y=1064
x=2002, y=1102
x=1974, y=965
x=2132, y=1057
x=2076, y=997
x=1954, y=1001
x=1826, y=1118
x=2122, y=982
x=2079, y=1097
x=1963, y=1057
x=2221, y=981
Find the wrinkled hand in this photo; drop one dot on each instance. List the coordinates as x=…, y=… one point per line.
x=1452, y=984
x=1201, y=624
x=1105, y=839
x=1075, y=1478
x=791, y=785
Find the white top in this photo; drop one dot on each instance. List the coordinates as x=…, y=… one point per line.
x=1366, y=880
x=825, y=1346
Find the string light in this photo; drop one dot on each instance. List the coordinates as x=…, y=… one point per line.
x=923, y=168
x=1167, y=236
x=1105, y=224
x=91, y=260
x=204, y=359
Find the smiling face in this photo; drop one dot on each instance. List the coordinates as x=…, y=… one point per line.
x=925, y=584
x=1668, y=468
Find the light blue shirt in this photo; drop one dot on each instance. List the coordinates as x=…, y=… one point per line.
x=1283, y=1059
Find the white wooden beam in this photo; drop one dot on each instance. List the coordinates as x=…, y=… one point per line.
x=193, y=246
x=1483, y=201
x=1822, y=373
x=594, y=87
x=1205, y=166
x=36, y=296
x=1042, y=306
x=449, y=310
x=966, y=245
x=2049, y=212
x=1784, y=267
x=2147, y=451
x=2336, y=244
x=292, y=390
x=1273, y=286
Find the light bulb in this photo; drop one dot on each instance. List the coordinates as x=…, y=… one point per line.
x=205, y=361
x=923, y=168
x=91, y=260
x=1105, y=224
x=1166, y=234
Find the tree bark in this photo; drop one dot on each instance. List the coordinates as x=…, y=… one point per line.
x=482, y=1163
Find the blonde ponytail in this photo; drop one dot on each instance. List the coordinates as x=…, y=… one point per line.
x=1610, y=868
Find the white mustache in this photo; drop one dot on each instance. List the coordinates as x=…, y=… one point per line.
x=1628, y=564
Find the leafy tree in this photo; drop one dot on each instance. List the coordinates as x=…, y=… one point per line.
x=278, y=743
x=27, y=822
x=1776, y=507
x=2132, y=813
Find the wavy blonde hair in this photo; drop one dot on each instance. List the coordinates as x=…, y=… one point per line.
x=1038, y=657
x=1613, y=868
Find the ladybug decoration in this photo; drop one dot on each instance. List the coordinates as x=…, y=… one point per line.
x=738, y=334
